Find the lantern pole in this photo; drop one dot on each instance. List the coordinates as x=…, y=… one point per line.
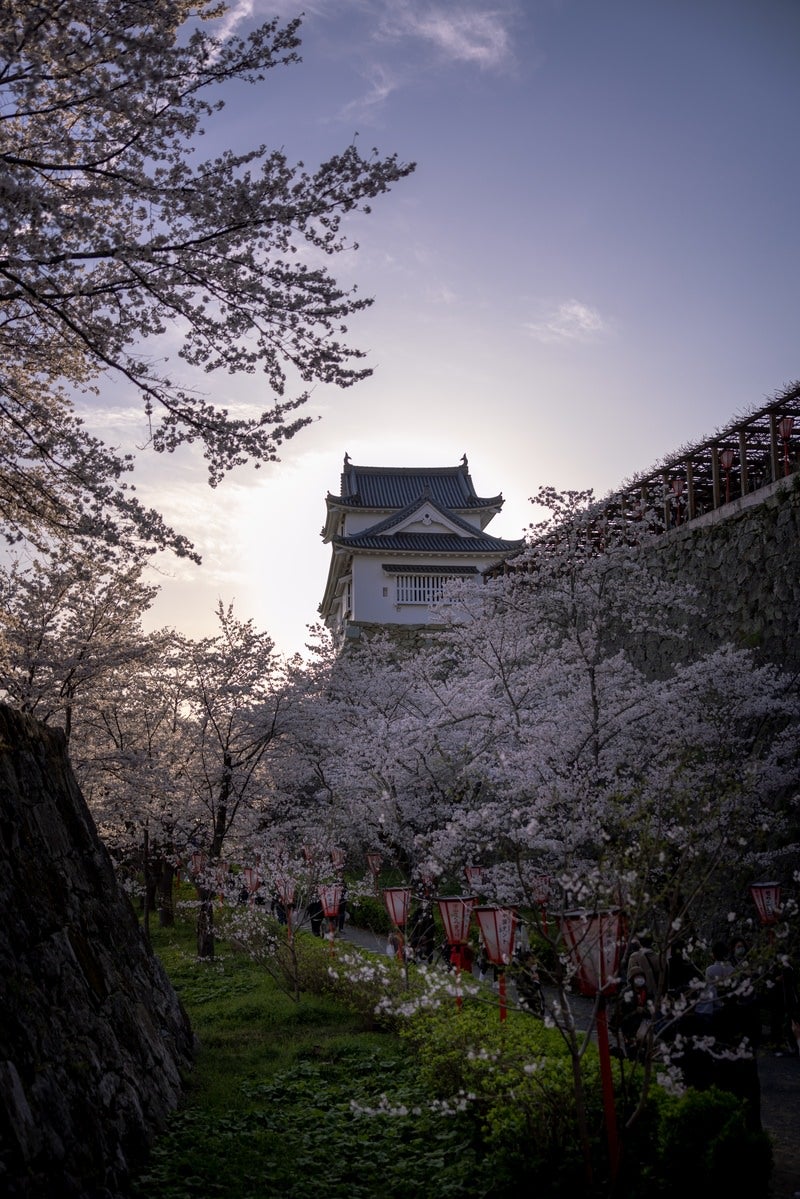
x=594, y=943
x=607, y=1079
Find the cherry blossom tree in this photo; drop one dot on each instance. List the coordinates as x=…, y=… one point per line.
x=602, y=733
x=236, y=707
x=67, y=624
x=116, y=232
x=180, y=756
x=387, y=748
x=560, y=726
x=129, y=751
x=73, y=653
x=169, y=737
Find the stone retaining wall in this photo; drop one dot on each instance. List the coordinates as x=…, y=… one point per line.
x=93, y=1040
x=745, y=563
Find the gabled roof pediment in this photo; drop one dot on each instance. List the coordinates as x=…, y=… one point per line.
x=421, y=516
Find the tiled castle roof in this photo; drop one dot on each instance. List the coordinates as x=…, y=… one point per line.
x=385, y=487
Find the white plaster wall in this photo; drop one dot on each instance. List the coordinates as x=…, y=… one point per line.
x=357, y=522
x=372, y=606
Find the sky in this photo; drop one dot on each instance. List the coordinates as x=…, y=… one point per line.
x=596, y=261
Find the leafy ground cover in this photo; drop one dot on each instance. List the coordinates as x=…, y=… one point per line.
x=284, y=1096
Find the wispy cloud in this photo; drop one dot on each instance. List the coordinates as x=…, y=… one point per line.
x=382, y=83
x=419, y=37
x=569, y=322
x=233, y=17
x=257, y=11
x=464, y=33
x=469, y=31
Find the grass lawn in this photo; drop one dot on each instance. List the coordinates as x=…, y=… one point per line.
x=282, y=1098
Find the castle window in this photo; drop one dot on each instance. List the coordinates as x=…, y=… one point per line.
x=420, y=589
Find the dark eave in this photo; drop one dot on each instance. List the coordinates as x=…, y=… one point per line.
x=427, y=543
x=428, y=568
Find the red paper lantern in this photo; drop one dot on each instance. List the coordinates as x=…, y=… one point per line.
x=767, y=898
x=397, y=900
x=498, y=927
x=474, y=875
x=456, y=913
x=785, y=426
x=594, y=941
x=541, y=889
x=330, y=895
x=374, y=861
x=285, y=889
x=726, y=460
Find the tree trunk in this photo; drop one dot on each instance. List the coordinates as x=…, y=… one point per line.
x=149, y=890
x=166, y=904
x=205, y=916
x=205, y=924
x=583, y=1127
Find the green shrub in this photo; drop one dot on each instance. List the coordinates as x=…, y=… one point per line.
x=519, y=1078
x=706, y=1147
x=522, y=1103
x=367, y=911
x=313, y=958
